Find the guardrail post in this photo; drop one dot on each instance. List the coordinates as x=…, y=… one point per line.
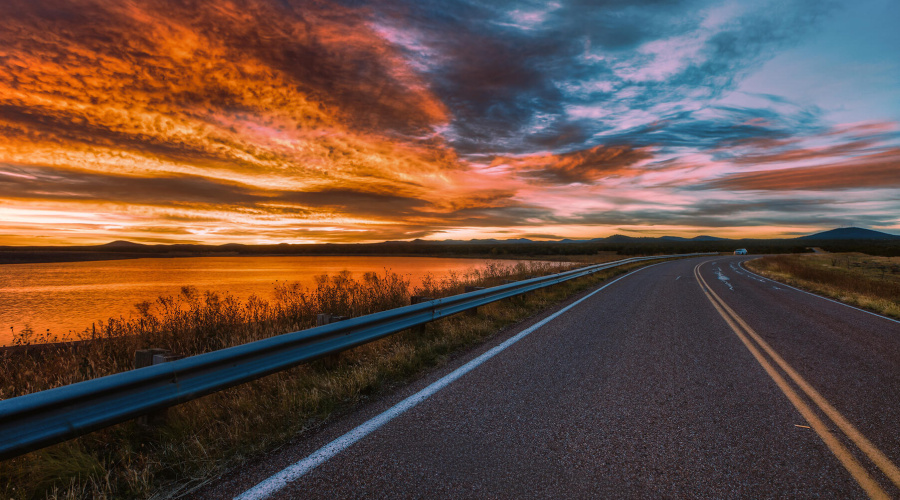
x=144, y=357
x=327, y=318
x=507, y=282
x=418, y=299
x=473, y=311
x=150, y=357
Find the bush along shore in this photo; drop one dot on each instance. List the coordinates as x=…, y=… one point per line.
x=203, y=438
x=864, y=281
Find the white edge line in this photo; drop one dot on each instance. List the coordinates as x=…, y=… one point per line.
x=276, y=482
x=741, y=263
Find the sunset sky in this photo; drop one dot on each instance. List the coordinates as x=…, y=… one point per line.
x=269, y=121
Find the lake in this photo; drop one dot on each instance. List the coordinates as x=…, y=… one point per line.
x=70, y=296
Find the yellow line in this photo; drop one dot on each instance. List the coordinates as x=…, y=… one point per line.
x=869, y=485
x=880, y=459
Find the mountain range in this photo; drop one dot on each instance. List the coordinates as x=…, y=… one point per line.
x=843, y=233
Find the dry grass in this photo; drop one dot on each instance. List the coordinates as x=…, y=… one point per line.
x=205, y=437
x=864, y=281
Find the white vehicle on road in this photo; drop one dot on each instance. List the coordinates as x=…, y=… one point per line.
x=740, y=251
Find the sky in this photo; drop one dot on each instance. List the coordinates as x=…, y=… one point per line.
x=282, y=121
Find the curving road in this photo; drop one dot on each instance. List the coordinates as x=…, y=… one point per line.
x=690, y=378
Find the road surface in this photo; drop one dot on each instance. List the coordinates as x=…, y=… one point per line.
x=690, y=378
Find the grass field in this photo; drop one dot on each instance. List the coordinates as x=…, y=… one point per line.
x=205, y=437
x=861, y=280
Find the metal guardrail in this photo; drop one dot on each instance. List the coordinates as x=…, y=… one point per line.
x=36, y=420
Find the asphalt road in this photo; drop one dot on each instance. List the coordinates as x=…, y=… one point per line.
x=675, y=381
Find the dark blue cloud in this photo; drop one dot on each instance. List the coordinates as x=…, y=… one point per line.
x=717, y=129
x=524, y=76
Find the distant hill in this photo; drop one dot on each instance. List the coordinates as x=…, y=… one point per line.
x=122, y=244
x=695, y=238
x=850, y=233
x=619, y=238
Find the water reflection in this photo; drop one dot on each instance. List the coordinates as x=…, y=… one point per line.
x=68, y=297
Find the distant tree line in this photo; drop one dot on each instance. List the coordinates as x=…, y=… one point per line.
x=887, y=248
x=632, y=246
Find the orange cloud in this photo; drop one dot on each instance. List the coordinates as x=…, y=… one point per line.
x=253, y=108
x=586, y=166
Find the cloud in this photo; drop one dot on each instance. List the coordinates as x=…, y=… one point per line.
x=255, y=86
x=357, y=202
x=803, y=154
x=507, y=84
x=737, y=212
x=585, y=166
x=255, y=108
x=880, y=170
x=321, y=59
x=55, y=184
x=44, y=183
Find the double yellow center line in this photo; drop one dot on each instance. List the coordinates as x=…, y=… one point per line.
x=757, y=347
